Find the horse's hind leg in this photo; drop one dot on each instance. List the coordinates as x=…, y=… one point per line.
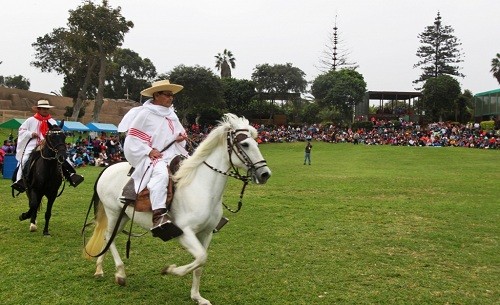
x=99, y=272
x=120, y=276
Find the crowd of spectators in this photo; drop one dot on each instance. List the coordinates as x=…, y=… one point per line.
x=104, y=150
x=388, y=133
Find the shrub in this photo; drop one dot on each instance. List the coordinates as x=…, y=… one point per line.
x=487, y=125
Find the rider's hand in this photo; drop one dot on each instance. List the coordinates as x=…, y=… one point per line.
x=155, y=154
x=181, y=137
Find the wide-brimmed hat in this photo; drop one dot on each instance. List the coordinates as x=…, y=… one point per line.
x=43, y=104
x=161, y=85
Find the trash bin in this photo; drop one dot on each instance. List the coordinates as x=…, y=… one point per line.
x=9, y=166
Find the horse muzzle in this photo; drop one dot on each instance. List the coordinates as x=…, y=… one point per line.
x=261, y=175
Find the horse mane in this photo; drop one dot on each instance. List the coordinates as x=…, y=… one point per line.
x=216, y=137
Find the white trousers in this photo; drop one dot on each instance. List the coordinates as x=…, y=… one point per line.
x=22, y=164
x=157, y=185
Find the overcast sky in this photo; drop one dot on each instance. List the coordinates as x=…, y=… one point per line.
x=381, y=35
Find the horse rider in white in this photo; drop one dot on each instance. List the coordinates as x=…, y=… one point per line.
x=155, y=136
x=31, y=133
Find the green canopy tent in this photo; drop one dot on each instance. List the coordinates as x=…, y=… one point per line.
x=12, y=123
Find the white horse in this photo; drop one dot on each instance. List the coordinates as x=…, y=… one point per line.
x=197, y=204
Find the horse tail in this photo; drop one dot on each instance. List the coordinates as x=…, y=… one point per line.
x=96, y=241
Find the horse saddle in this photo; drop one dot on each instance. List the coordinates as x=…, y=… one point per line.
x=141, y=201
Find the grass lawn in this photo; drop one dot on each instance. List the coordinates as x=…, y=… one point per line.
x=361, y=225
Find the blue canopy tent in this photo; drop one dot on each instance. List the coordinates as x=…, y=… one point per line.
x=74, y=126
x=106, y=127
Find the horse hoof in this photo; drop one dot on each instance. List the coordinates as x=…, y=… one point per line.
x=168, y=269
x=98, y=275
x=46, y=234
x=33, y=227
x=120, y=281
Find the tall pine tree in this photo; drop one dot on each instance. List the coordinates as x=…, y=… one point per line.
x=439, y=53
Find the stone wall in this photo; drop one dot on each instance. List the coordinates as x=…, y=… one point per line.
x=17, y=103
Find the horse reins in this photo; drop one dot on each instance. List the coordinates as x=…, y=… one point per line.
x=233, y=145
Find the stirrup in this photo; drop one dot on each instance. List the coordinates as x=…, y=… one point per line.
x=166, y=230
x=75, y=179
x=19, y=186
x=222, y=222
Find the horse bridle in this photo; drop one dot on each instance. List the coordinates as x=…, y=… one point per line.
x=54, y=148
x=234, y=139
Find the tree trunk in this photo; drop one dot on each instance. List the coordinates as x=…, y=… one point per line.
x=99, y=99
x=77, y=106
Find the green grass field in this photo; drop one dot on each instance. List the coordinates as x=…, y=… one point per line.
x=361, y=225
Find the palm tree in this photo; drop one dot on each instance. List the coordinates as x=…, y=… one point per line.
x=495, y=67
x=224, y=62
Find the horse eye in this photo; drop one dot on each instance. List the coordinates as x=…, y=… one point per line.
x=244, y=145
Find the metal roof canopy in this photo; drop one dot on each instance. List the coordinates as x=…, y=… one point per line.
x=392, y=95
x=488, y=92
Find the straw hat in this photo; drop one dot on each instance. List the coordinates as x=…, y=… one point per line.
x=42, y=104
x=161, y=85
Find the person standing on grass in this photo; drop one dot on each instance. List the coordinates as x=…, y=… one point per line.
x=307, y=156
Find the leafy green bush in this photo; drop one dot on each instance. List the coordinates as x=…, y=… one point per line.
x=487, y=125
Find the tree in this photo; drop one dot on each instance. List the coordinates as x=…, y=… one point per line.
x=15, y=81
x=202, y=90
x=128, y=75
x=224, y=62
x=495, y=67
x=103, y=28
x=278, y=80
x=238, y=93
x=464, y=107
x=68, y=53
x=339, y=91
x=439, y=95
x=439, y=53
x=334, y=57
x=310, y=113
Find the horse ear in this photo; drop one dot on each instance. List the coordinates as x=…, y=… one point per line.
x=61, y=124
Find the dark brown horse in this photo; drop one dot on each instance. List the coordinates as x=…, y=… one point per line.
x=43, y=175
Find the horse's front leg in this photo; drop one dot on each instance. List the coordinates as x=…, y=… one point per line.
x=34, y=203
x=48, y=214
x=191, y=243
x=195, y=287
x=197, y=248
